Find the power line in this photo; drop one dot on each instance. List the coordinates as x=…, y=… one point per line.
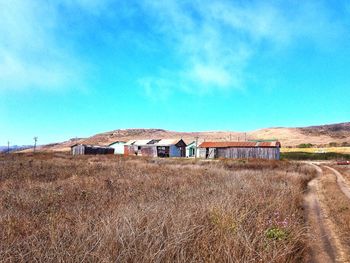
x=35, y=140
x=195, y=153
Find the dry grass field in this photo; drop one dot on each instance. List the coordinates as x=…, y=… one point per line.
x=337, y=205
x=318, y=150
x=56, y=208
x=345, y=170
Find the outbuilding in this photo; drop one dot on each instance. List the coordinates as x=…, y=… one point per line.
x=238, y=150
x=82, y=149
x=134, y=147
x=191, y=149
x=156, y=148
x=118, y=147
x=171, y=148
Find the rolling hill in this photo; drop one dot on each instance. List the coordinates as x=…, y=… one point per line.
x=317, y=135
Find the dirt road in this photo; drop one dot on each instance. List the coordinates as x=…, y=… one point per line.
x=326, y=245
x=344, y=187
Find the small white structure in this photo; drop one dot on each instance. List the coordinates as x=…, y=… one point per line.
x=191, y=149
x=118, y=147
x=156, y=148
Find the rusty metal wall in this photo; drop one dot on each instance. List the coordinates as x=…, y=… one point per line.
x=149, y=151
x=130, y=150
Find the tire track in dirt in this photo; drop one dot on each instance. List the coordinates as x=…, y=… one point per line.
x=341, y=182
x=325, y=245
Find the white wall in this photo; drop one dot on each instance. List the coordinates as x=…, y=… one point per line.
x=118, y=148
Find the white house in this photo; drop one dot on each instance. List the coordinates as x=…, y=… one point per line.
x=191, y=149
x=118, y=147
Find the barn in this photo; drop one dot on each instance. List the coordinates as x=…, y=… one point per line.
x=82, y=149
x=237, y=150
x=156, y=148
x=118, y=147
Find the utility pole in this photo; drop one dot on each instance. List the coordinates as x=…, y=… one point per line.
x=35, y=140
x=195, y=152
x=8, y=147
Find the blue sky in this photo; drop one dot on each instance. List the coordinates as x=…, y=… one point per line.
x=75, y=68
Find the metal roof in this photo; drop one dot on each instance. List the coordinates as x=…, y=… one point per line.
x=168, y=142
x=153, y=142
x=240, y=144
x=89, y=145
x=121, y=142
x=141, y=142
x=191, y=144
x=130, y=142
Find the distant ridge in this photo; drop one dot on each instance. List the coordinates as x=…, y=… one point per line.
x=317, y=135
x=338, y=131
x=4, y=149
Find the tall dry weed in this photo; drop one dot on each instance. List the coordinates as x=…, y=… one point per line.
x=107, y=208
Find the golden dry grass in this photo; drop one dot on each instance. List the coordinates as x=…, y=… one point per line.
x=344, y=170
x=337, y=204
x=110, y=209
x=318, y=150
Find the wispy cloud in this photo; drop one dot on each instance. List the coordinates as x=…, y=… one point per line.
x=211, y=43
x=32, y=55
x=216, y=41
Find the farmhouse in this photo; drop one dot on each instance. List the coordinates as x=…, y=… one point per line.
x=118, y=147
x=259, y=150
x=81, y=149
x=156, y=148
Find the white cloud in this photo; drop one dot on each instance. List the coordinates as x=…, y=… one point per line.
x=30, y=55
x=211, y=42
x=216, y=41
x=211, y=75
x=157, y=89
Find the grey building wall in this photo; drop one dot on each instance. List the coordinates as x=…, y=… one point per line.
x=241, y=153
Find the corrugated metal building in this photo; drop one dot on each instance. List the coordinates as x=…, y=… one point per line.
x=81, y=149
x=133, y=147
x=156, y=148
x=257, y=150
x=118, y=147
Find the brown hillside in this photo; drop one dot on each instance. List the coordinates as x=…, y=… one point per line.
x=318, y=135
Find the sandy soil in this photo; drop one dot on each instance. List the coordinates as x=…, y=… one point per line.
x=325, y=243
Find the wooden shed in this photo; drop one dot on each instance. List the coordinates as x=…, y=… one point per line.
x=134, y=147
x=171, y=148
x=238, y=150
x=82, y=149
x=156, y=148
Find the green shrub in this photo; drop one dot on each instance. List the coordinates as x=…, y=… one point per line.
x=305, y=145
x=276, y=233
